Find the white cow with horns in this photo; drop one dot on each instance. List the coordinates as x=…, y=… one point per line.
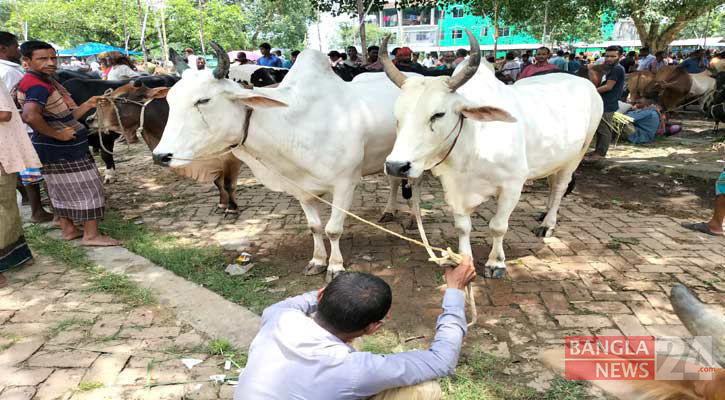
x=484, y=139
x=316, y=130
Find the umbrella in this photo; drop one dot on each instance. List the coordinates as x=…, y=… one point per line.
x=251, y=55
x=91, y=49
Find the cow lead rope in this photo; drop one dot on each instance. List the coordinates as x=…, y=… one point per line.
x=111, y=99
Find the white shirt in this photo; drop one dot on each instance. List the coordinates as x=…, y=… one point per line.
x=512, y=69
x=11, y=74
x=191, y=60
x=95, y=66
x=292, y=357
x=428, y=62
x=120, y=72
x=644, y=65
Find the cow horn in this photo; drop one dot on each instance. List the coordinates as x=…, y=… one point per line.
x=699, y=320
x=178, y=62
x=390, y=69
x=222, y=68
x=474, y=60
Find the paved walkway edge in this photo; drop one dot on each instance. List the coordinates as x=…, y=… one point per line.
x=203, y=309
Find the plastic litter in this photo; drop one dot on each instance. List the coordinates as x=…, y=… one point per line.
x=236, y=269
x=227, y=365
x=271, y=278
x=244, y=258
x=218, y=378
x=191, y=362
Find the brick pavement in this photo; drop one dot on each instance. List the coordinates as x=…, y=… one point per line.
x=60, y=342
x=607, y=270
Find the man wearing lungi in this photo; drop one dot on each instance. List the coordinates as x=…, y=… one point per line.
x=74, y=184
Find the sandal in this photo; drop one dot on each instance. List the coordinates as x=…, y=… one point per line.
x=701, y=227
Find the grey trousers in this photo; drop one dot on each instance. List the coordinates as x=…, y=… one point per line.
x=604, y=134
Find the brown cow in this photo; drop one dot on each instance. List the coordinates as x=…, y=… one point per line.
x=636, y=82
x=699, y=321
x=128, y=100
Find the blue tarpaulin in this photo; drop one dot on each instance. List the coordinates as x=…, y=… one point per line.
x=92, y=49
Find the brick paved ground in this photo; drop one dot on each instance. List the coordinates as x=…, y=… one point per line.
x=57, y=340
x=582, y=281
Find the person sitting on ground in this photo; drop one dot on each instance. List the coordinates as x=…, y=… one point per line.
x=714, y=227
x=121, y=67
x=541, y=65
x=61, y=142
x=646, y=121
x=297, y=357
x=268, y=59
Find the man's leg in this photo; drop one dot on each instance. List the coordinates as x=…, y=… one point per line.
x=38, y=213
x=604, y=136
x=715, y=223
x=429, y=390
x=68, y=230
x=92, y=237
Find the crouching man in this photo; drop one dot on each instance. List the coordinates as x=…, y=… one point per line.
x=297, y=357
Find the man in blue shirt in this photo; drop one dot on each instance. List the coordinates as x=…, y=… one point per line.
x=559, y=60
x=610, y=91
x=297, y=357
x=646, y=122
x=694, y=64
x=268, y=59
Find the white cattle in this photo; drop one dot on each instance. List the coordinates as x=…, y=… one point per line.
x=484, y=139
x=320, y=132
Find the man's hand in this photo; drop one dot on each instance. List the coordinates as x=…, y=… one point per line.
x=66, y=134
x=91, y=103
x=460, y=276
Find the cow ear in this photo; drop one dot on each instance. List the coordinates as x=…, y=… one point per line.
x=157, y=93
x=255, y=100
x=486, y=113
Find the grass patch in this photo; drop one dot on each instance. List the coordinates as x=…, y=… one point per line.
x=88, y=386
x=100, y=279
x=222, y=347
x=202, y=265
x=61, y=326
x=626, y=240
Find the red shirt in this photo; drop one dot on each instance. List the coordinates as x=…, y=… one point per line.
x=534, y=68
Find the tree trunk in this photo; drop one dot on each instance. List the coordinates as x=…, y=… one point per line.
x=142, y=28
x=201, y=27
x=495, y=30
x=656, y=40
x=165, y=48
x=361, y=19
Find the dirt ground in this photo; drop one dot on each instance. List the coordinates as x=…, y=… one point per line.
x=608, y=269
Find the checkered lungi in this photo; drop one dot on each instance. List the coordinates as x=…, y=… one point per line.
x=75, y=189
x=720, y=184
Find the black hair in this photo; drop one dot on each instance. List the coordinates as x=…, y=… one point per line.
x=354, y=300
x=351, y=47
x=543, y=48
x=612, y=48
x=461, y=52
x=645, y=49
x=295, y=53
x=510, y=55
x=265, y=45
x=572, y=56
x=395, y=51
x=560, y=53
x=373, y=47
x=334, y=53
x=27, y=48
x=632, y=53
x=7, y=39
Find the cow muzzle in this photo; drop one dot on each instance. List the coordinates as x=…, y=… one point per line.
x=399, y=169
x=163, y=159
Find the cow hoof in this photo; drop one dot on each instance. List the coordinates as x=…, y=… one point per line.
x=387, y=217
x=543, y=232
x=231, y=213
x=495, y=271
x=313, y=268
x=541, y=217
x=220, y=208
x=109, y=176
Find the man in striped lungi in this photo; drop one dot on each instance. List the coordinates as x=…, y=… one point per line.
x=74, y=184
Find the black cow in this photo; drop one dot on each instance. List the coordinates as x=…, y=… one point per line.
x=83, y=89
x=267, y=76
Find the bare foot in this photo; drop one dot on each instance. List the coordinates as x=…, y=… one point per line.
x=75, y=234
x=41, y=217
x=100, y=240
x=3, y=281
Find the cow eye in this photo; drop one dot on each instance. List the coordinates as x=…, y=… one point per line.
x=436, y=116
x=202, y=101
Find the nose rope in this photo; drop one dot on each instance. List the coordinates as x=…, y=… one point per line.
x=112, y=100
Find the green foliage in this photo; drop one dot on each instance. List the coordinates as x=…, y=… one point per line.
x=349, y=34
x=705, y=25
x=88, y=386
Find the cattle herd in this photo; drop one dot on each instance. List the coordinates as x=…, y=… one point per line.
x=310, y=132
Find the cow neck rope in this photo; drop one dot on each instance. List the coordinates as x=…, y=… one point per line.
x=445, y=254
x=245, y=133
x=460, y=128
x=112, y=100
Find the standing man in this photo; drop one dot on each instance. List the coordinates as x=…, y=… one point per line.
x=74, y=184
x=542, y=63
x=200, y=63
x=645, y=59
x=289, y=63
x=190, y=57
x=694, y=63
x=610, y=91
x=11, y=73
x=268, y=59
x=353, y=57
x=659, y=62
x=296, y=356
x=559, y=60
x=629, y=62
x=511, y=69
x=573, y=65
x=373, y=63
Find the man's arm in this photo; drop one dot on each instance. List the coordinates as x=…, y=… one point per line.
x=373, y=373
x=88, y=105
x=33, y=116
x=307, y=303
x=609, y=85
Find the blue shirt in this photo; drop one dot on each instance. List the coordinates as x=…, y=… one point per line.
x=692, y=66
x=646, y=123
x=292, y=357
x=573, y=66
x=271, y=61
x=560, y=62
x=287, y=64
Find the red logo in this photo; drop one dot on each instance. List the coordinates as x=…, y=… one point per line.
x=610, y=358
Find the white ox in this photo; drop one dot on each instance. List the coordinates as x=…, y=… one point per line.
x=484, y=139
x=320, y=132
